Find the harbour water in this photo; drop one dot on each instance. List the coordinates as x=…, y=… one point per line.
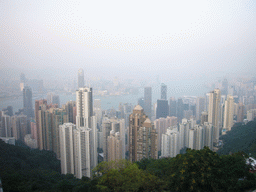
x=112, y=101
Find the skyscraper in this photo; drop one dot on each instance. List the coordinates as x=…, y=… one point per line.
x=228, y=113
x=85, y=118
x=200, y=105
x=180, y=109
x=67, y=148
x=172, y=107
x=163, y=91
x=142, y=136
x=240, y=113
x=148, y=101
x=117, y=126
x=27, y=102
x=80, y=78
x=214, y=112
x=170, y=143
x=84, y=107
x=162, y=109
x=83, y=152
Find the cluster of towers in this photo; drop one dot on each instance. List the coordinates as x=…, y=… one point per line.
x=82, y=135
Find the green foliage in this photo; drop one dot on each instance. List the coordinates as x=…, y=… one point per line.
x=124, y=176
x=240, y=138
x=200, y=170
x=23, y=169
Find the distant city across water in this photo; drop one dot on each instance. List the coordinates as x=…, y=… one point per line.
x=112, y=101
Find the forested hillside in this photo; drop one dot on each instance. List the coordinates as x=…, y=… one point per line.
x=240, y=138
x=23, y=169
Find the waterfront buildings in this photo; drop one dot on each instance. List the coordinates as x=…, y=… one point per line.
x=148, y=101
x=163, y=91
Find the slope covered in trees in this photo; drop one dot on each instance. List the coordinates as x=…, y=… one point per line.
x=23, y=169
x=240, y=138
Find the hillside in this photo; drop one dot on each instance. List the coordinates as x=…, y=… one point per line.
x=240, y=138
x=23, y=169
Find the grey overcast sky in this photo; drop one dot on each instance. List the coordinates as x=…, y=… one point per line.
x=173, y=39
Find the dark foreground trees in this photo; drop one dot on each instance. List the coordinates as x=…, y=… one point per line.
x=28, y=170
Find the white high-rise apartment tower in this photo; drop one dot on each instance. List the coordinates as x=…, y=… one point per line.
x=83, y=158
x=228, y=113
x=170, y=142
x=85, y=118
x=84, y=107
x=67, y=148
x=214, y=112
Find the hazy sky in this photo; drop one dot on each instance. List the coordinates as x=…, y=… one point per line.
x=174, y=39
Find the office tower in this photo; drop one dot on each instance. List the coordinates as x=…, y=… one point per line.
x=172, y=107
x=142, y=136
x=229, y=113
x=240, y=112
x=200, y=105
x=70, y=108
x=180, y=109
x=204, y=117
x=141, y=102
x=54, y=99
x=214, y=113
x=224, y=87
x=170, y=143
x=80, y=78
x=148, y=101
x=162, y=109
x=208, y=135
x=27, y=102
x=85, y=118
x=163, y=91
x=67, y=148
x=83, y=152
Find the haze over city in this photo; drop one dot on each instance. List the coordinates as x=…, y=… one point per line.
x=136, y=86
x=142, y=40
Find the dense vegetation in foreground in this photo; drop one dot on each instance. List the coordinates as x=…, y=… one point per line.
x=240, y=138
x=24, y=169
